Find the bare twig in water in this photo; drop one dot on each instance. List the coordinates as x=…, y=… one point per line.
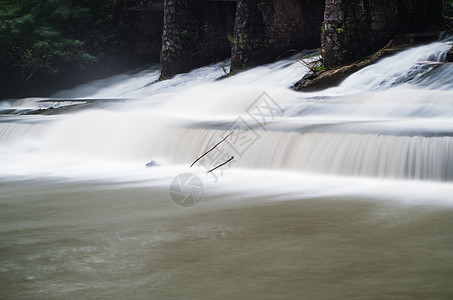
x=204, y=154
x=287, y=53
x=314, y=65
x=232, y=157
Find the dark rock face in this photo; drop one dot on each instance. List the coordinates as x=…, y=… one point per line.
x=345, y=23
x=195, y=33
x=146, y=17
x=418, y=15
x=266, y=29
x=177, y=41
x=248, y=39
x=353, y=29
x=215, y=23
x=252, y=32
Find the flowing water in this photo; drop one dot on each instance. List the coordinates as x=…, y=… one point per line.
x=340, y=194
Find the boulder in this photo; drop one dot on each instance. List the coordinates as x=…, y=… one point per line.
x=330, y=78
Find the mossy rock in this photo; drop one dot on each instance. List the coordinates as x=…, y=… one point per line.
x=330, y=78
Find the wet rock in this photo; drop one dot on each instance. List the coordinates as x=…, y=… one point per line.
x=354, y=29
x=152, y=164
x=449, y=57
x=325, y=79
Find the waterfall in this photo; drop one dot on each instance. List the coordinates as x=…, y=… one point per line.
x=390, y=120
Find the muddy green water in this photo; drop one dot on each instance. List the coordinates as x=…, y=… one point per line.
x=97, y=241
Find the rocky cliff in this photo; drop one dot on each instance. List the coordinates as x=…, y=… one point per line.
x=252, y=32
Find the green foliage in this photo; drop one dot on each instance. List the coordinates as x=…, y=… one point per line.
x=169, y=48
x=339, y=30
x=235, y=40
x=47, y=36
x=448, y=8
x=189, y=23
x=226, y=68
x=188, y=35
x=314, y=65
x=231, y=39
x=318, y=68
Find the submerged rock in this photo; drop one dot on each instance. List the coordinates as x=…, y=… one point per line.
x=152, y=164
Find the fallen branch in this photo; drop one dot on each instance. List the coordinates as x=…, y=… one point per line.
x=204, y=154
x=232, y=157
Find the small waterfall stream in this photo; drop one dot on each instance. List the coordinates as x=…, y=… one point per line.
x=344, y=193
x=390, y=120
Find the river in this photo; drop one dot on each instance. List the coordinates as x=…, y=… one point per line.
x=344, y=193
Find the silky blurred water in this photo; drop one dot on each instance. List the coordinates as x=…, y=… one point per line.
x=342, y=194
x=92, y=241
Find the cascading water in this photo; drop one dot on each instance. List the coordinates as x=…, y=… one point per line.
x=339, y=194
x=387, y=121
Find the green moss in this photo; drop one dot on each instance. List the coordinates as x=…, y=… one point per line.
x=320, y=68
x=447, y=7
x=235, y=40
